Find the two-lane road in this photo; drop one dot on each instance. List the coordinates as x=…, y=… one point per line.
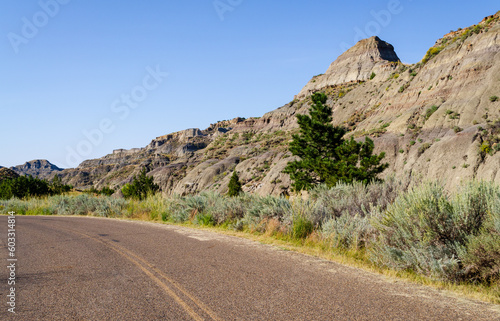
x=79, y=268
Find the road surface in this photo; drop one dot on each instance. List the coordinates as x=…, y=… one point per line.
x=81, y=268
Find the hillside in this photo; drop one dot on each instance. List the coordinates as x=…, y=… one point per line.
x=6, y=173
x=437, y=119
x=40, y=168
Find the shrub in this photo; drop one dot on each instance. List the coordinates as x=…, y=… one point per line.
x=431, y=53
x=423, y=148
x=107, y=191
x=430, y=111
x=348, y=232
x=372, y=75
x=485, y=148
x=457, y=129
x=140, y=187
x=477, y=29
x=493, y=98
x=403, y=87
x=104, y=191
x=416, y=233
x=452, y=238
x=269, y=207
x=482, y=260
x=354, y=199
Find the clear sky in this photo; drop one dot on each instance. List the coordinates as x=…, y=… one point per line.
x=80, y=78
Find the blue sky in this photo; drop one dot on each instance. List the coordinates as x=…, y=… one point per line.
x=81, y=78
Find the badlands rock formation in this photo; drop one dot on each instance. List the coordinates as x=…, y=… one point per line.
x=437, y=119
x=37, y=168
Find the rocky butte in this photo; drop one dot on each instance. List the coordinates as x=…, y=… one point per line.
x=437, y=119
x=37, y=168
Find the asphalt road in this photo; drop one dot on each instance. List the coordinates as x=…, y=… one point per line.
x=79, y=268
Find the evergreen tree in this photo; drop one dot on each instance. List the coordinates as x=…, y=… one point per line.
x=24, y=187
x=57, y=186
x=325, y=157
x=140, y=187
x=234, y=185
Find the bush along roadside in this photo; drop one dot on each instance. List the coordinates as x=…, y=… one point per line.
x=424, y=231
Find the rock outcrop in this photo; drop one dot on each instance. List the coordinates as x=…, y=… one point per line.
x=368, y=56
x=40, y=168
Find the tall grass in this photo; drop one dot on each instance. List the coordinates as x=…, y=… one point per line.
x=66, y=205
x=425, y=230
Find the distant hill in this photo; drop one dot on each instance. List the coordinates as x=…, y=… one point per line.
x=40, y=168
x=7, y=173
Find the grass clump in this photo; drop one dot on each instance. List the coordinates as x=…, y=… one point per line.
x=302, y=227
x=430, y=111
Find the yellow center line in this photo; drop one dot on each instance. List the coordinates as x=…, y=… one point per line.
x=177, y=286
x=141, y=262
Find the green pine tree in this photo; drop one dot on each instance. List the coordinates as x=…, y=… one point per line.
x=325, y=157
x=140, y=187
x=234, y=185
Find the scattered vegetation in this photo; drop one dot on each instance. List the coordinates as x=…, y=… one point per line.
x=448, y=237
x=490, y=137
x=432, y=52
